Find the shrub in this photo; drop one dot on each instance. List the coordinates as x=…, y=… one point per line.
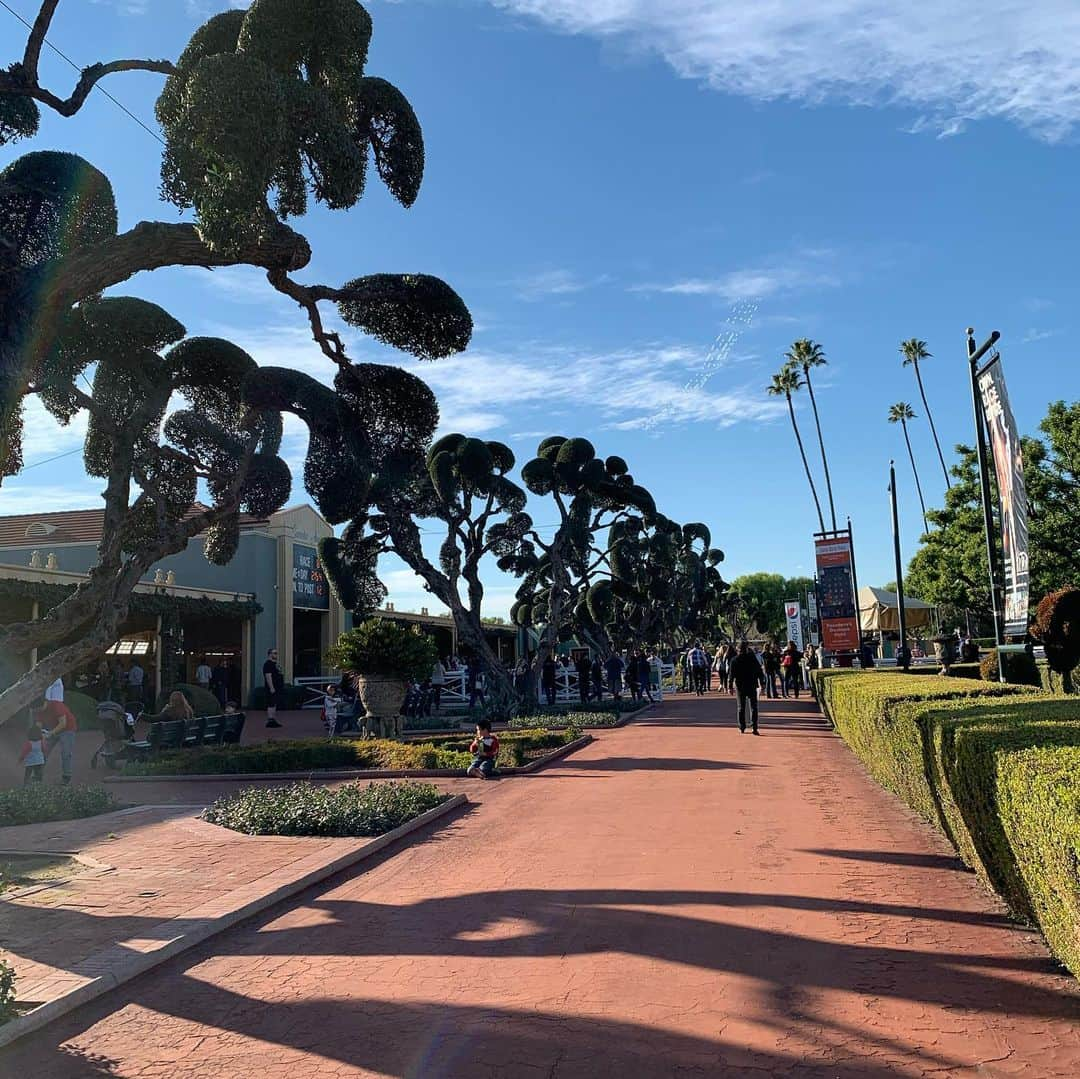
x=996, y=768
x=1018, y=667
x=305, y=810
x=970, y=670
x=1057, y=627
x=379, y=648
x=451, y=753
x=1059, y=685
x=37, y=802
x=7, y=992
x=202, y=701
x=581, y=720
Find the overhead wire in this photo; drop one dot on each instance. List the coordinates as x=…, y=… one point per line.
x=97, y=86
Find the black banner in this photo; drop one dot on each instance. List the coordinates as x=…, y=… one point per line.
x=309, y=588
x=1009, y=468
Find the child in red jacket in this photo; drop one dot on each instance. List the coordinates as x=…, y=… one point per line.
x=485, y=751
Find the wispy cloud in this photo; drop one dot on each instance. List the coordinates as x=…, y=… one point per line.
x=952, y=63
x=801, y=271
x=1034, y=335
x=557, y=283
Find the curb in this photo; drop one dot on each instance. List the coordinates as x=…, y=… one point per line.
x=355, y=773
x=116, y=965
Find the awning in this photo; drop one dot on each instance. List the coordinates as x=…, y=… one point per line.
x=880, y=610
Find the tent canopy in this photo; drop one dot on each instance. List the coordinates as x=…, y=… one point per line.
x=880, y=610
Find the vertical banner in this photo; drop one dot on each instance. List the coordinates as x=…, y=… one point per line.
x=812, y=617
x=838, y=612
x=309, y=587
x=793, y=613
x=1009, y=468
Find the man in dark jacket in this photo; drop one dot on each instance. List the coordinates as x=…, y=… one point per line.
x=548, y=672
x=747, y=675
x=584, y=672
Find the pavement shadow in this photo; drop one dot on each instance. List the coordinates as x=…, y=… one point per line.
x=653, y=764
x=396, y=1038
x=895, y=857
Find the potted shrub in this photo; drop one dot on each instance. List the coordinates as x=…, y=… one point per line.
x=383, y=657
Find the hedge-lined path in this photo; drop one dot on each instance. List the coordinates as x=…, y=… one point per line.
x=676, y=899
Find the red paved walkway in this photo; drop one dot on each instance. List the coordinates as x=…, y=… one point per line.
x=676, y=900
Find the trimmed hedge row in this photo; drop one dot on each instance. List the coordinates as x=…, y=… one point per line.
x=301, y=809
x=320, y=755
x=38, y=802
x=996, y=768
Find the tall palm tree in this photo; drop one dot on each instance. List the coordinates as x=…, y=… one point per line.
x=784, y=383
x=806, y=354
x=914, y=351
x=900, y=413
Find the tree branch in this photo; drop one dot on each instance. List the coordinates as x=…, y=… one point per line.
x=37, y=38
x=308, y=296
x=25, y=84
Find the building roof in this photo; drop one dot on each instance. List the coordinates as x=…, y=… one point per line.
x=75, y=526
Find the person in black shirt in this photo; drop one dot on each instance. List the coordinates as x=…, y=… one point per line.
x=747, y=675
x=274, y=681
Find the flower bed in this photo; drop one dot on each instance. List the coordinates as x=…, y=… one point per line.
x=305, y=810
x=450, y=753
x=38, y=802
x=996, y=768
x=578, y=720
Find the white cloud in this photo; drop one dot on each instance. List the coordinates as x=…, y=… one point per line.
x=953, y=63
x=799, y=271
x=24, y=496
x=1034, y=335
x=557, y=283
x=44, y=438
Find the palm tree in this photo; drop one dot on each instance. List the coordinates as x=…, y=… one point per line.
x=784, y=383
x=806, y=354
x=900, y=413
x=913, y=350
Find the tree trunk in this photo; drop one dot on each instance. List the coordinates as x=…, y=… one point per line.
x=915, y=472
x=821, y=443
x=930, y=420
x=806, y=464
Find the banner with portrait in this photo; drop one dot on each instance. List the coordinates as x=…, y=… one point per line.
x=1012, y=494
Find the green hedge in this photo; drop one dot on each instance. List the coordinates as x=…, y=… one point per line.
x=37, y=802
x=996, y=768
x=319, y=755
x=1054, y=683
x=580, y=720
x=301, y=809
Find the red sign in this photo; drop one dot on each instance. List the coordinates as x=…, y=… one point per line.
x=837, y=608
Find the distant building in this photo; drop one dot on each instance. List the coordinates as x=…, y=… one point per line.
x=272, y=593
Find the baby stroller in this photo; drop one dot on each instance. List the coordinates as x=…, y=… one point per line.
x=119, y=730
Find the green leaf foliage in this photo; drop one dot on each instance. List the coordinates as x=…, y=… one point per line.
x=381, y=648
x=37, y=803
x=417, y=313
x=50, y=204
x=386, y=121
x=19, y=115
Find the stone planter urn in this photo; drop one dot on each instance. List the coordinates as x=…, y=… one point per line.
x=382, y=699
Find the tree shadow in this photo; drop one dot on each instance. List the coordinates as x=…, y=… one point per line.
x=653, y=764
x=405, y=1038
x=895, y=857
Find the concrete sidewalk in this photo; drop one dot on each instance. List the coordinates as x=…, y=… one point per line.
x=676, y=899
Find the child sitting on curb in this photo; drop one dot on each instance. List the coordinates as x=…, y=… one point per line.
x=485, y=750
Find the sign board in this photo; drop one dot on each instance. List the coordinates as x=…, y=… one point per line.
x=1009, y=468
x=793, y=614
x=812, y=617
x=309, y=588
x=838, y=612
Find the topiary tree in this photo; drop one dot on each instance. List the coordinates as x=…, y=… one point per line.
x=1057, y=628
x=265, y=108
x=590, y=495
x=464, y=484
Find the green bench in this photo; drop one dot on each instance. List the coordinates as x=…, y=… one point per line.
x=171, y=734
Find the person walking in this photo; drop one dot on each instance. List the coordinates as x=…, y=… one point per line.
x=549, y=672
x=615, y=668
x=274, y=681
x=63, y=733
x=584, y=672
x=203, y=675
x=770, y=659
x=789, y=664
x=474, y=670
x=698, y=664
x=438, y=680
x=632, y=676
x=747, y=675
x=597, y=679
x=644, y=668
x=136, y=677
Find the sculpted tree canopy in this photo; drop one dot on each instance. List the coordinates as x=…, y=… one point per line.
x=265, y=109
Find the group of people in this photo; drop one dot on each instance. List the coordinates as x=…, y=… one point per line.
x=633, y=673
x=786, y=670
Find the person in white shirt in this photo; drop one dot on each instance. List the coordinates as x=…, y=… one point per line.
x=202, y=674
x=135, y=679
x=438, y=680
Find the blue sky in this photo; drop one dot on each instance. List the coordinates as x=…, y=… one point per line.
x=612, y=186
